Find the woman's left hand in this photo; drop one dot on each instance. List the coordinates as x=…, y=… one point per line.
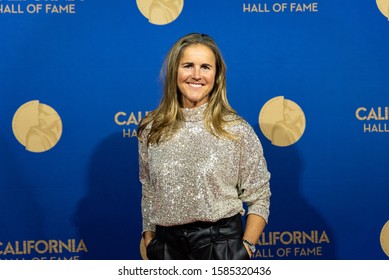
x=248, y=250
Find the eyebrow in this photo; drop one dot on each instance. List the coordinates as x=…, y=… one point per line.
x=207, y=64
x=192, y=63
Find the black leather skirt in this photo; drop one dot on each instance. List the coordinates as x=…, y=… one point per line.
x=221, y=240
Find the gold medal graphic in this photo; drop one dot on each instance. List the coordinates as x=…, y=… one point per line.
x=383, y=6
x=37, y=126
x=282, y=121
x=384, y=238
x=160, y=12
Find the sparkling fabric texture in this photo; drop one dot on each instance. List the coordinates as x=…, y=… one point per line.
x=196, y=176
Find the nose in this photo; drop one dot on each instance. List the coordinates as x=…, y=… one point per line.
x=196, y=73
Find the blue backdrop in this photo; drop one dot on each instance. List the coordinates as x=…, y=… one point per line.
x=94, y=66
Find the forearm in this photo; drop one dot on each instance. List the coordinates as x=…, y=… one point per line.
x=254, y=227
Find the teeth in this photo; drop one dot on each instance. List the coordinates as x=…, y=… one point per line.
x=195, y=85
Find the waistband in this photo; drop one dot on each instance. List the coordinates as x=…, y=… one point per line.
x=190, y=236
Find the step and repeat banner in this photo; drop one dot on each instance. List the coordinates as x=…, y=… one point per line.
x=77, y=76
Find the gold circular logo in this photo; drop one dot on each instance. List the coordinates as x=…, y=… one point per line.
x=282, y=121
x=383, y=6
x=37, y=126
x=160, y=12
x=384, y=238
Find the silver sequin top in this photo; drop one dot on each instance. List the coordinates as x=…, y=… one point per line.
x=195, y=176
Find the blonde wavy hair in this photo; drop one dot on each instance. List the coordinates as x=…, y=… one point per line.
x=167, y=118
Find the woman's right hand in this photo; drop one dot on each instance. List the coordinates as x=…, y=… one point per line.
x=148, y=236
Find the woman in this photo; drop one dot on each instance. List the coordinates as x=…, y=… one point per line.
x=199, y=162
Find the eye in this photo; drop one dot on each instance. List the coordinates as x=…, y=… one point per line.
x=187, y=65
x=206, y=66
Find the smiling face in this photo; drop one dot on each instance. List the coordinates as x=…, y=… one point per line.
x=196, y=75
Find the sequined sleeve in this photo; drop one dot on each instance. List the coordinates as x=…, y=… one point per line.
x=254, y=177
x=144, y=177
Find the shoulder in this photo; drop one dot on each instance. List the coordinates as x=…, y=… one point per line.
x=237, y=124
x=244, y=132
x=145, y=128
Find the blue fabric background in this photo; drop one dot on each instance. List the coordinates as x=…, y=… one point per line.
x=106, y=58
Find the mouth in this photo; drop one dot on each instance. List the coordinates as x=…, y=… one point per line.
x=194, y=85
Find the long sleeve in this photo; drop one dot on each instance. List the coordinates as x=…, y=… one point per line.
x=254, y=188
x=147, y=190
